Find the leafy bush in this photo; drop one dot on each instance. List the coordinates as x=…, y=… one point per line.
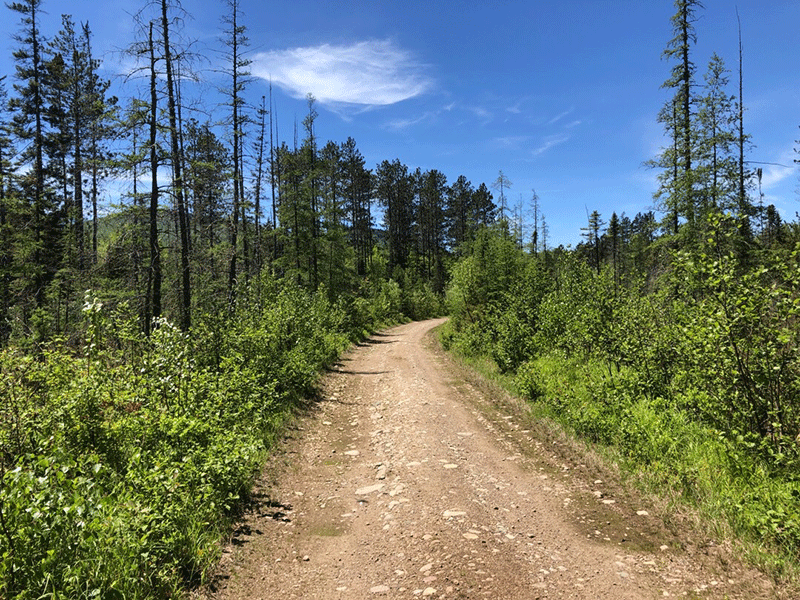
x=121, y=464
x=740, y=343
x=693, y=377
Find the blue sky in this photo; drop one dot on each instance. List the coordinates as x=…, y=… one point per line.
x=561, y=96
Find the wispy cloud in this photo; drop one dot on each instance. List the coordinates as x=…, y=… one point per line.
x=483, y=114
x=515, y=109
x=549, y=142
x=558, y=117
x=774, y=174
x=509, y=141
x=368, y=73
x=403, y=124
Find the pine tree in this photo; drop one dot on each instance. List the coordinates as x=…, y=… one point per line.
x=615, y=237
x=6, y=250
x=335, y=252
x=154, y=274
x=394, y=190
x=176, y=159
x=259, y=148
x=431, y=209
x=502, y=184
x=100, y=113
x=536, y=216
x=545, y=236
x=460, y=220
x=236, y=41
x=311, y=187
x=131, y=160
x=79, y=113
x=483, y=207
x=295, y=213
x=208, y=174
x=38, y=241
x=358, y=200
x=677, y=192
x=716, y=123
x=592, y=235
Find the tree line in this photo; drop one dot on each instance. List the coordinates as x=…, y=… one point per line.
x=210, y=200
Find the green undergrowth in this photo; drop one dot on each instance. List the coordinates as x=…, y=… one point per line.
x=689, y=374
x=124, y=461
x=714, y=473
x=691, y=466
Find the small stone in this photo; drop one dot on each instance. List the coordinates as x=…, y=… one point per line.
x=369, y=489
x=470, y=536
x=450, y=466
x=306, y=558
x=429, y=591
x=352, y=453
x=642, y=513
x=379, y=589
x=453, y=513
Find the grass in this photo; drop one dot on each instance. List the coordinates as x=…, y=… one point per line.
x=695, y=476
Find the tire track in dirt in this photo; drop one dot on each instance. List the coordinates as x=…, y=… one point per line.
x=409, y=481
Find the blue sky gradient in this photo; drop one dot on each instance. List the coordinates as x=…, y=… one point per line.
x=563, y=97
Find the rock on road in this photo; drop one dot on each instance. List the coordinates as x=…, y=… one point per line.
x=406, y=480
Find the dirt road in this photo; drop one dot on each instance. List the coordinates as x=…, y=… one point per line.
x=412, y=480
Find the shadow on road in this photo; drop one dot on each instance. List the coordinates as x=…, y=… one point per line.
x=377, y=338
x=347, y=372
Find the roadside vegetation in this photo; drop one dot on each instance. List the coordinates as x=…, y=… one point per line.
x=689, y=372
x=134, y=416
x=125, y=461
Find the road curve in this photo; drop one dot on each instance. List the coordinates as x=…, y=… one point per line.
x=408, y=480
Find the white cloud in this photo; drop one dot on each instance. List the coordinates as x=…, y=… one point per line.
x=557, y=118
x=550, y=142
x=402, y=124
x=369, y=73
x=484, y=115
x=774, y=174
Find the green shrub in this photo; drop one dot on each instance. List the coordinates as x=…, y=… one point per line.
x=123, y=462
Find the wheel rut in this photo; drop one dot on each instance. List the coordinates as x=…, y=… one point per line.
x=409, y=480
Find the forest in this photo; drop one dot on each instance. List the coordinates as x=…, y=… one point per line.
x=153, y=351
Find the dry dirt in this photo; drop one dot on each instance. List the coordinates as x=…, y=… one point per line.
x=411, y=479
